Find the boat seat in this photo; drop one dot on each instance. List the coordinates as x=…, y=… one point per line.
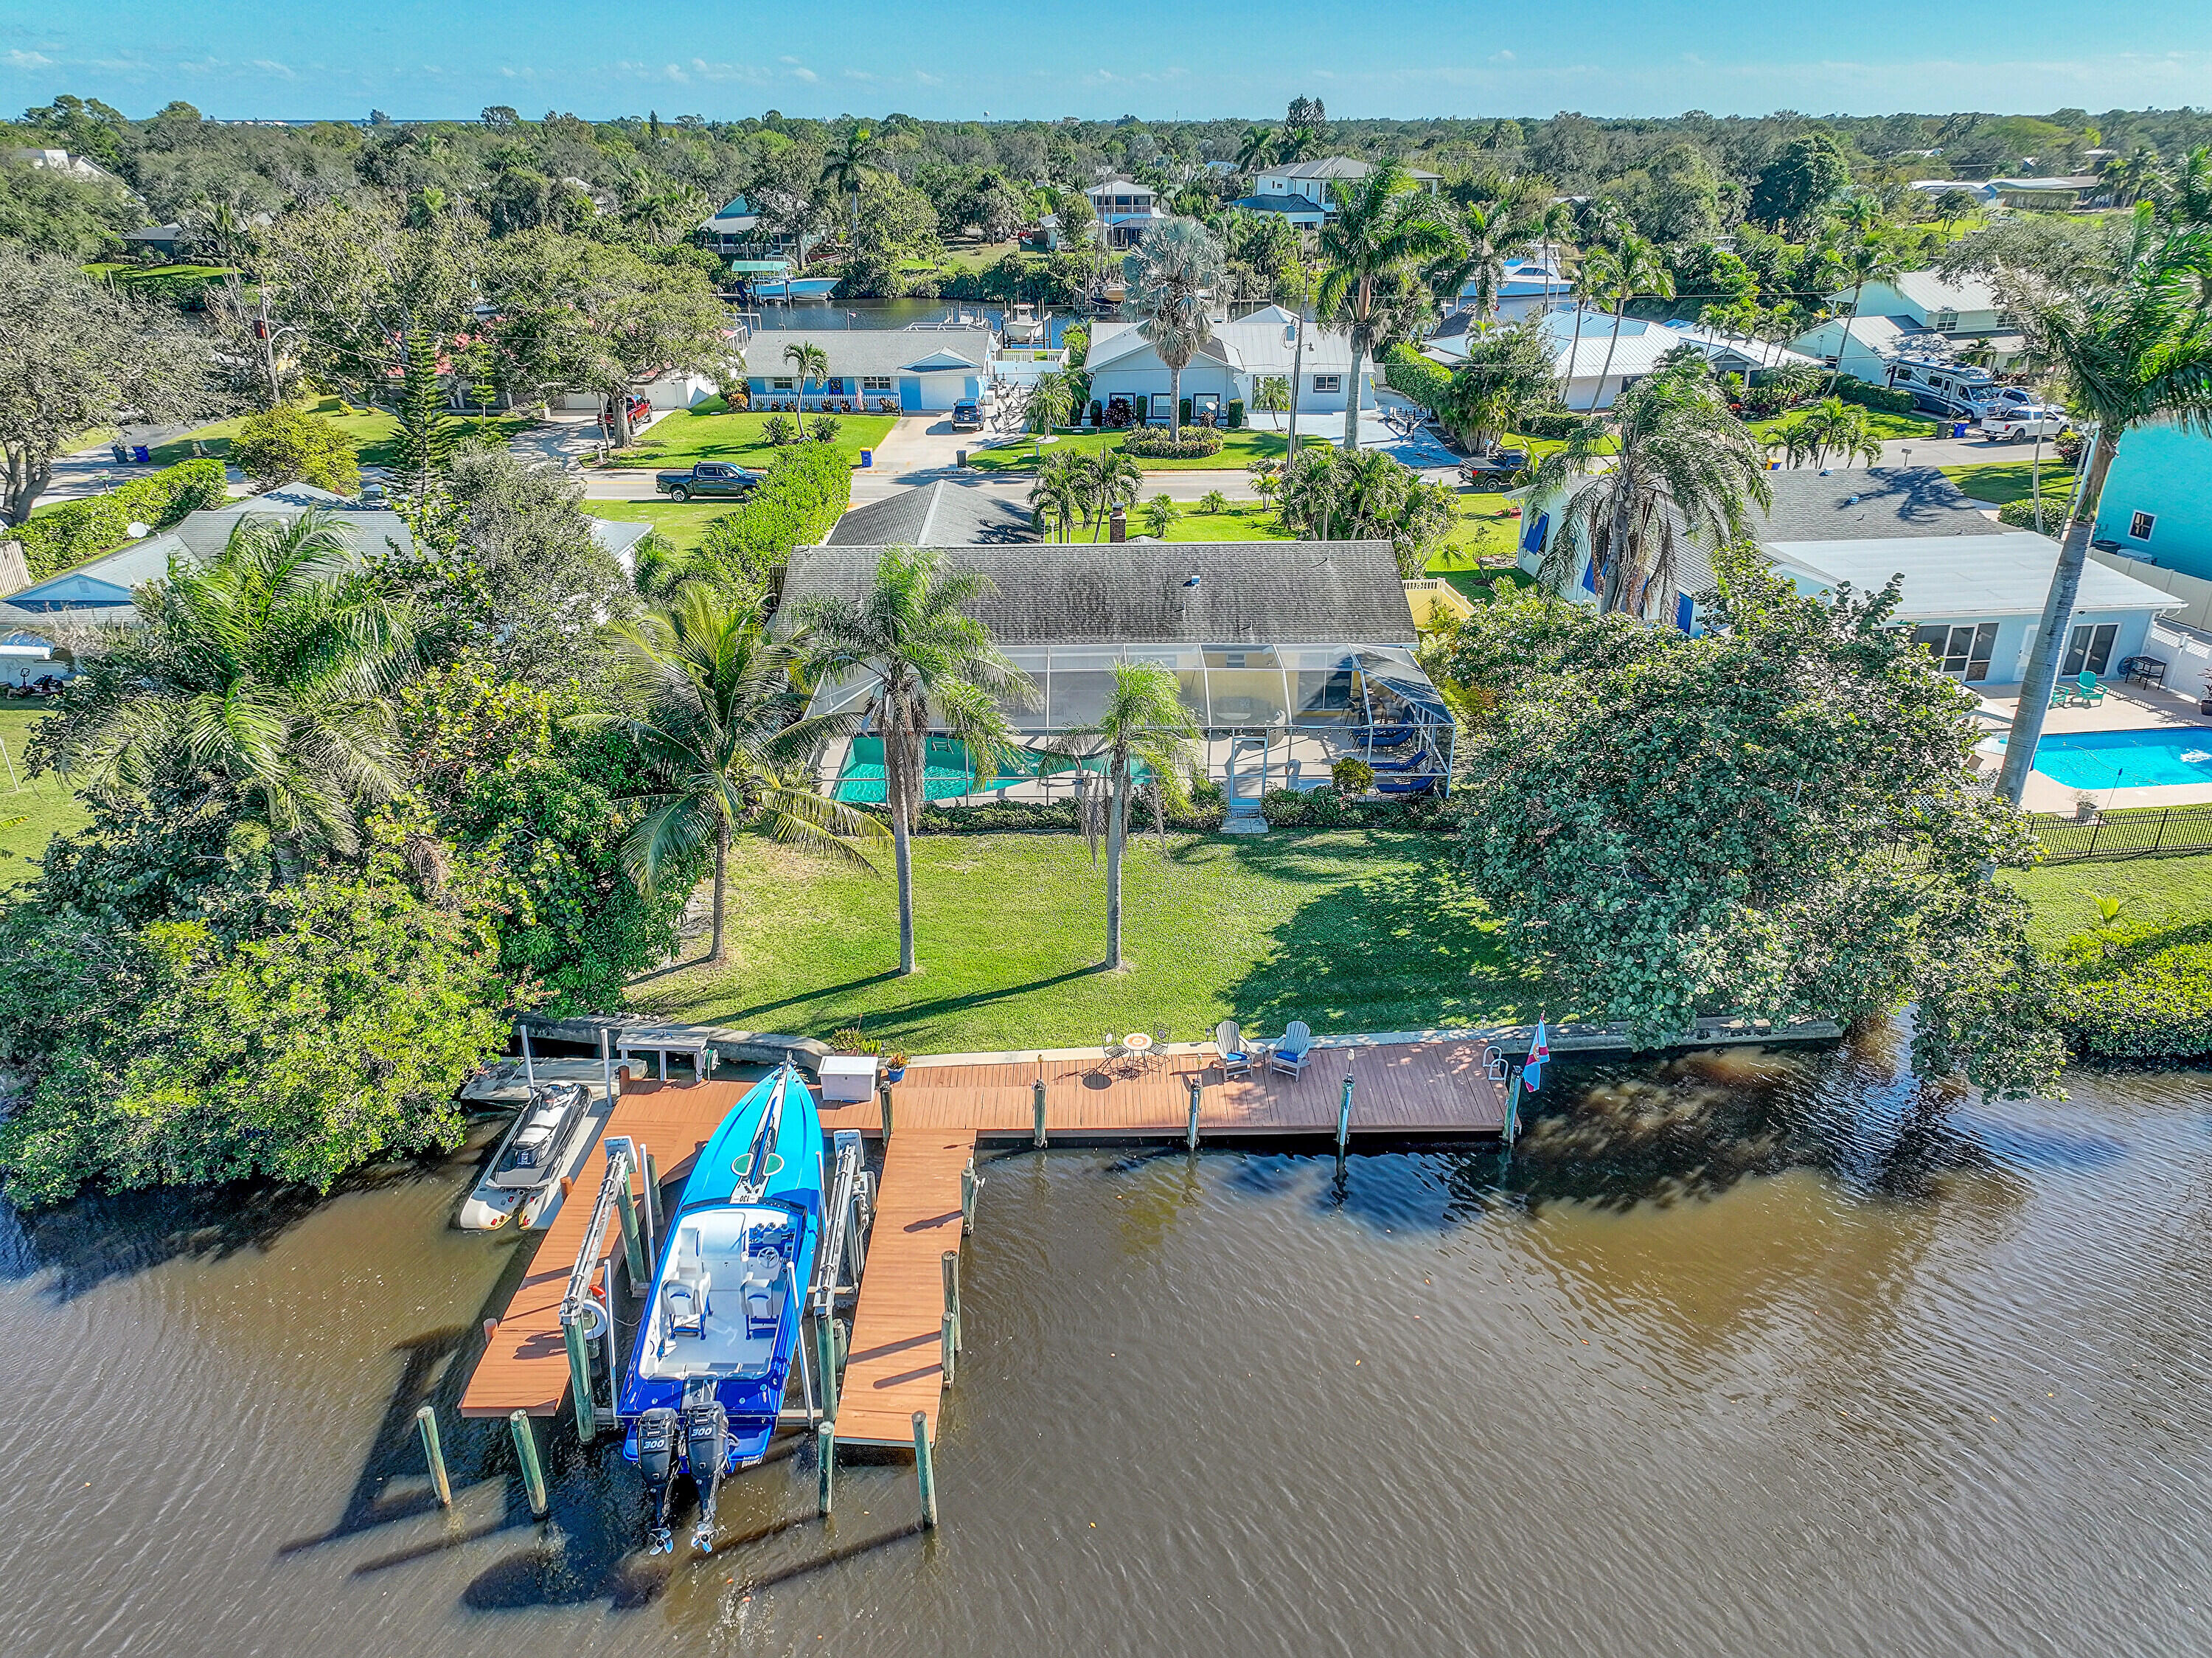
x=764, y=1274
x=685, y=1298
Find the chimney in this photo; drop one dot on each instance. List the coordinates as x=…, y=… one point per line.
x=1118, y=525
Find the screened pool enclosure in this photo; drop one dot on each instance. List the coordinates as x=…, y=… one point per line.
x=1268, y=716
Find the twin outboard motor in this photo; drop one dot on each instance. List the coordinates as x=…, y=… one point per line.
x=707, y=1451
x=657, y=1435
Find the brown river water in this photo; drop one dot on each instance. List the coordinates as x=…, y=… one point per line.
x=1738, y=1354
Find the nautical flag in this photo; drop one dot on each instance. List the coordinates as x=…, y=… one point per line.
x=1539, y=1049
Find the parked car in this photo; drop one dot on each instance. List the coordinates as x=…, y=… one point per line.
x=967, y=416
x=709, y=478
x=2020, y=423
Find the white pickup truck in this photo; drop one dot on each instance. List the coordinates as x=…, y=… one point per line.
x=2021, y=421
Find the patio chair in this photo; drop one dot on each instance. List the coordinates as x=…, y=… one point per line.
x=1160, y=1046
x=1290, y=1055
x=2087, y=689
x=1228, y=1043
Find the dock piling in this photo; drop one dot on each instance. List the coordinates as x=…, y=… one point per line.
x=948, y=1345
x=1036, y=1134
x=1190, y=1139
x=533, y=1473
x=641, y=1277
x=825, y=1360
x=652, y=1179
x=883, y=1094
x=969, y=1181
x=426, y=1419
x=1343, y=1116
x=925, y=1476
x=825, y=1452
x=580, y=1378
x=950, y=1263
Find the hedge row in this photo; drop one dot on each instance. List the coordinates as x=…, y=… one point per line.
x=804, y=493
x=1887, y=398
x=56, y=538
x=2148, y=997
x=1207, y=809
x=1158, y=444
x=1413, y=377
x=1325, y=809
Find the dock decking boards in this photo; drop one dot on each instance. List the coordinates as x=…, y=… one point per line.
x=895, y=1365
x=1400, y=1091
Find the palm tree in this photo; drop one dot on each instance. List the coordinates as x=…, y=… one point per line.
x=1144, y=724
x=1868, y=258
x=258, y=683
x=1049, y=403
x=2186, y=199
x=1110, y=478
x=1831, y=424
x=845, y=167
x=1381, y=229
x=1682, y=469
x=812, y=364
x=1058, y=494
x=2132, y=176
x=711, y=702
x=2134, y=347
x=1553, y=223
x=1490, y=234
x=912, y=652
x=1255, y=150
x=1593, y=282
x=1170, y=277
x=1635, y=268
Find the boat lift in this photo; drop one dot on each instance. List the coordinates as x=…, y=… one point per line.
x=588, y=1325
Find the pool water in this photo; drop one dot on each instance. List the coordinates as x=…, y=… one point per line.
x=2164, y=755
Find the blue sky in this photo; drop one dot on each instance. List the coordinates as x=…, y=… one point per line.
x=301, y=59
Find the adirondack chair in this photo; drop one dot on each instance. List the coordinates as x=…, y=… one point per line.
x=1228, y=1043
x=2088, y=690
x=1290, y=1055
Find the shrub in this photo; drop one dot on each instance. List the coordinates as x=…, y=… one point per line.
x=55, y=538
x=851, y=1039
x=804, y=492
x=1887, y=398
x=826, y=427
x=1155, y=443
x=1213, y=502
x=2146, y=994
x=2020, y=514
x=294, y=445
x=1413, y=377
x=1235, y=413
x=1351, y=776
x=1548, y=422
x=1159, y=516
x=2069, y=445
x=779, y=430
x=1325, y=809
x=1206, y=807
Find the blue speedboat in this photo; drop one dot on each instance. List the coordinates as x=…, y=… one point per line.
x=716, y=1340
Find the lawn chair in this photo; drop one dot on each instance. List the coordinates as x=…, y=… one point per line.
x=1160, y=1046
x=1228, y=1043
x=2087, y=690
x=1290, y=1055
x=1115, y=1049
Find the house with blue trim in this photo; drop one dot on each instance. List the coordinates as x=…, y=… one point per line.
x=1304, y=192
x=922, y=369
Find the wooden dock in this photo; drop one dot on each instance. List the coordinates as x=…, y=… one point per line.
x=895, y=1366
x=1409, y=1090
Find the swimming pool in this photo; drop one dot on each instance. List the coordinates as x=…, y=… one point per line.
x=2162, y=756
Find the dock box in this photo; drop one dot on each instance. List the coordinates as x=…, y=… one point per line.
x=847, y=1077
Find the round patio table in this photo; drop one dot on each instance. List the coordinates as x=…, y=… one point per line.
x=1139, y=1045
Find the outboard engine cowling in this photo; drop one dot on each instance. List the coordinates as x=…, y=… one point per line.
x=657, y=1436
x=707, y=1451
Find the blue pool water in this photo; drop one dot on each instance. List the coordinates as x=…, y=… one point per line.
x=2127, y=760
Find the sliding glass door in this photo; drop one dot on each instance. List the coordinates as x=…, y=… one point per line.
x=2089, y=648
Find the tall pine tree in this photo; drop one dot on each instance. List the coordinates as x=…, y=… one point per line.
x=426, y=435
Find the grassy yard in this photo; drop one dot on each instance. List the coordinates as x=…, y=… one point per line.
x=1348, y=932
x=2001, y=481
x=373, y=432
x=1882, y=423
x=684, y=523
x=1239, y=449
x=2171, y=891
x=712, y=432
x=45, y=807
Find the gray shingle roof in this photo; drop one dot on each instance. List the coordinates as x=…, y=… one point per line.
x=938, y=515
x=1868, y=504
x=1248, y=592
x=855, y=351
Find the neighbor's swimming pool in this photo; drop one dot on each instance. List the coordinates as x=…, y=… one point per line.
x=2162, y=756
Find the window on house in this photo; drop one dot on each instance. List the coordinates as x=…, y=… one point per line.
x=1961, y=652
x=1944, y=321
x=2140, y=526
x=781, y=383
x=875, y=382
x=1329, y=382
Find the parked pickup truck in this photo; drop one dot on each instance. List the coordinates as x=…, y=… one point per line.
x=708, y=477
x=2019, y=423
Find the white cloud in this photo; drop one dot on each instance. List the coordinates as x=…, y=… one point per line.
x=21, y=59
x=270, y=66
x=1501, y=56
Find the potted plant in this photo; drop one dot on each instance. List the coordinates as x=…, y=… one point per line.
x=894, y=1067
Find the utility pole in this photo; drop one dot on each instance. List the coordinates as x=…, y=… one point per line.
x=267, y=335
x=1298, y=354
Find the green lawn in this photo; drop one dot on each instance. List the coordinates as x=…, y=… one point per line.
x=1882, y=423
x=45, y=806
x=2173, y=891
x=1349, y=932
x=373, y=432
x=1239, y=449
x=683, y=523
x=711, y=432
x=2000, y=481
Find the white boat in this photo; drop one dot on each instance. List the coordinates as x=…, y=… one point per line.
x=774, y=279
x=547, y=1141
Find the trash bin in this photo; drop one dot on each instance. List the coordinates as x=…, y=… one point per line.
x=139, y=454
x=867, y=458
x=962, y=459
x=1957, y=429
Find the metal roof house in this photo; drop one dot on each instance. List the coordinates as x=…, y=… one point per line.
x=1594, y=368
x=1304, y=192
x=1973, y=590
x=913, y=370
x=1288, y=657
x=1125, y=210
x=1908, y=314
x=1124, y=368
